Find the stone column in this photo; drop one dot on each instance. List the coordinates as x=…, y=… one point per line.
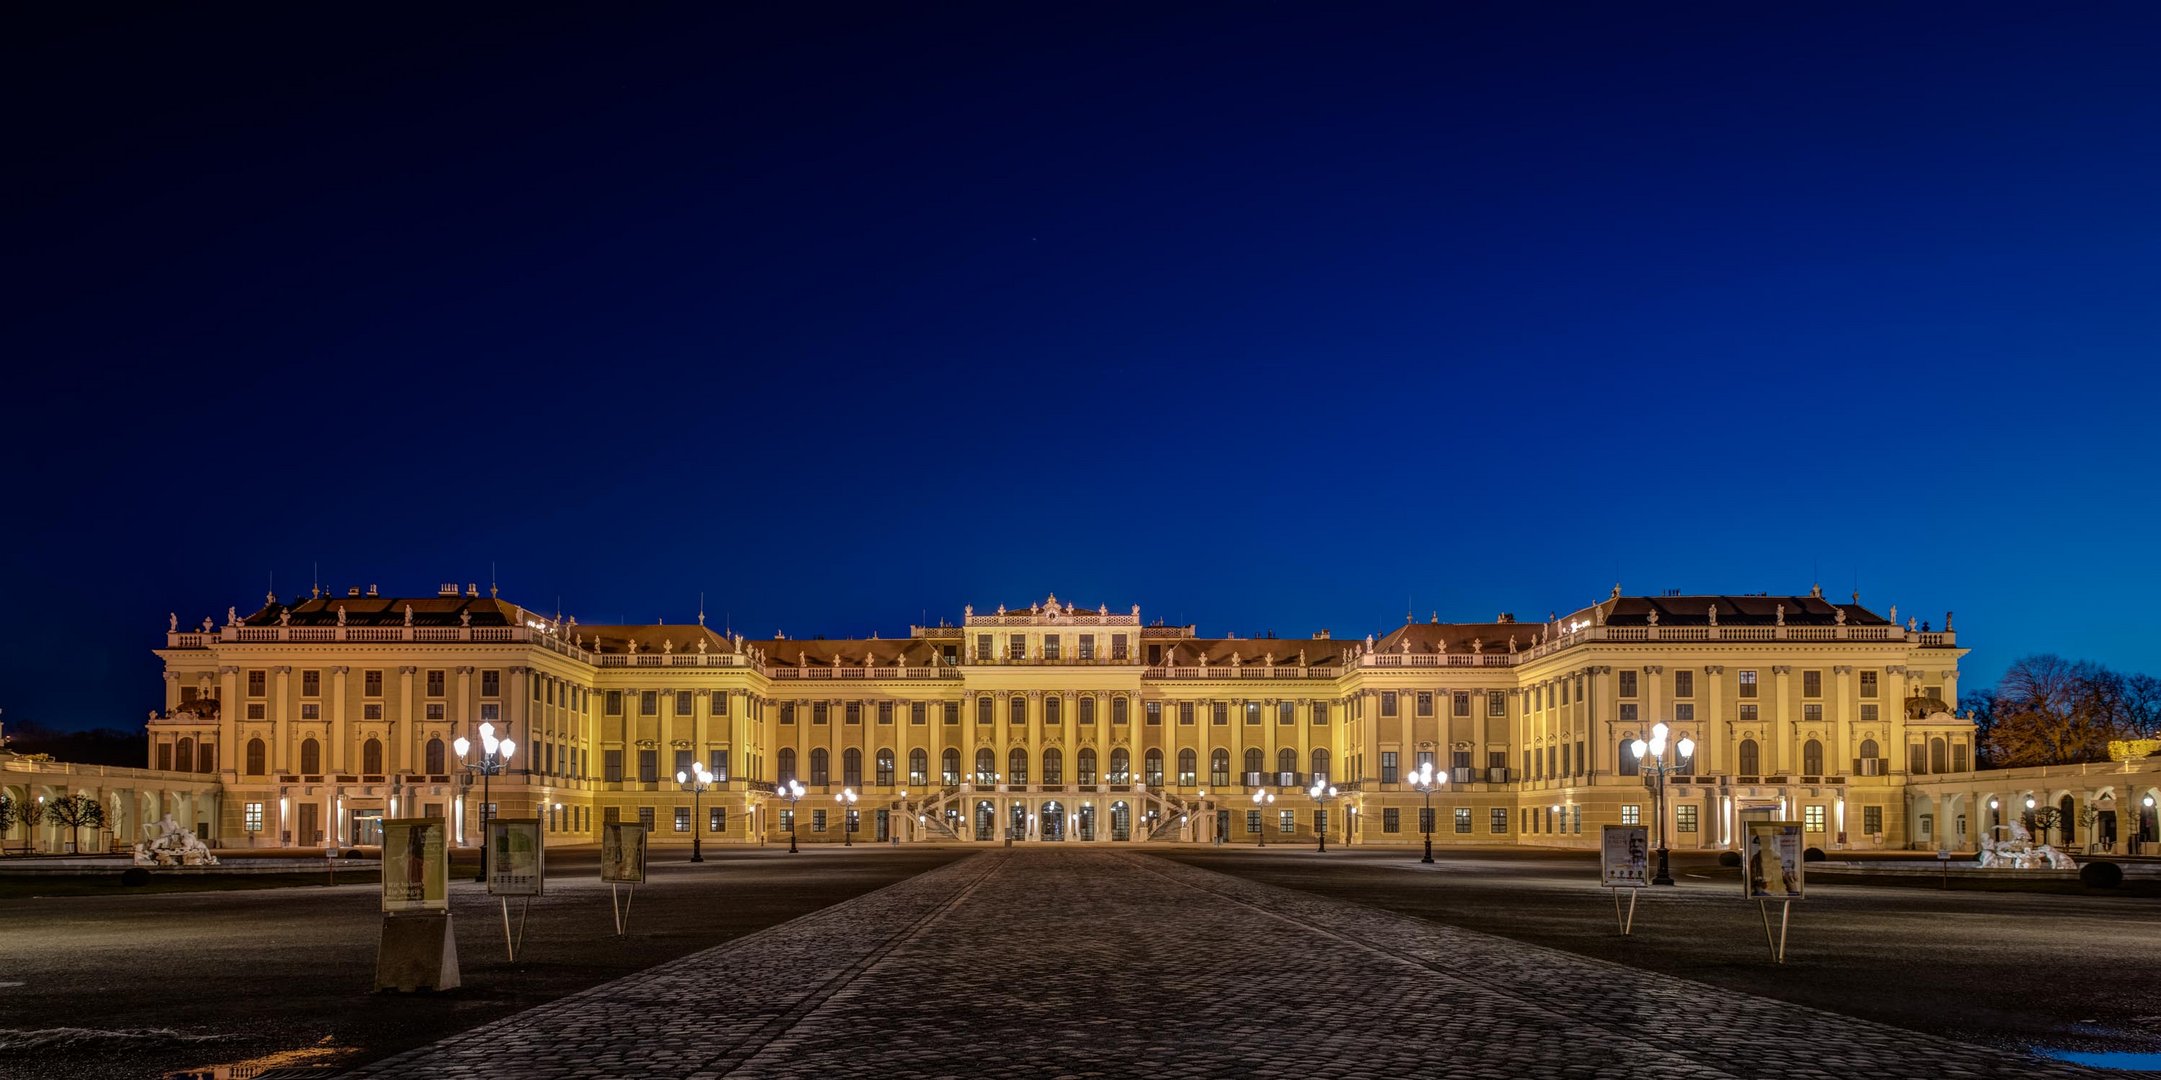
x=409, y=743
x=281, y=728
x=1713, y=739
x=1778, y=722
x=517, y=711
x=344, y=723
x=231, y=747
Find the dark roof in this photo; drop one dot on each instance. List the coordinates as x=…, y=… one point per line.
x=1459, y=637
x=1732, y=611
x=390, y=611
x=820, y=652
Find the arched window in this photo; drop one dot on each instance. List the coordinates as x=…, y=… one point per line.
x=986, y=767
x=311, y=756
x=1188, y=771
x=1219, y=768
x=437, y=762
x=1152, y=769
x=1869, y=752
x=1016, y=766
x=1320, y=765
x=821, y=771
x=1053, y=766
x=2067, y=819
x=184, y=752
x=1812, y=757
x=1255, y=762
x=371, y=757
x=918, y=767
x=949, y=767
x=1939, y=758
x=885, y=768
x=1087, y=765
x=1286, y=762
x=1750, y=758
x=851, y=767
x=1121, y=766
x=1630, y=764
x=1088, y=709
x=1018, y=707
x=785, y=764
x=1053, y=709
x=207, y=753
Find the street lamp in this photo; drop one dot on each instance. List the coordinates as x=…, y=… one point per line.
x=1322, y=792
x=1652, y=759
x=846, y=799
x=494, y=758
x=1426, y=778
x=1261, y=799
x=695, y=781
x=793, y=789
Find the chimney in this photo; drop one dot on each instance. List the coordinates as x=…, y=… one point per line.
x=448, y=588
x=472, y=589
x=1320, y=635
x=353, y=591
x=371, y=588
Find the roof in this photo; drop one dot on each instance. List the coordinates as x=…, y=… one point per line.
x=1732, y=611
x=390, y=611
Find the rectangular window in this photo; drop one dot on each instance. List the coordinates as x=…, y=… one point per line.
x=787, y=821
x=1628, y=712
x=1154, y=709
x=311, y=684
x=1253, y=712
x=252, y=818
x=1286, y=821
x=1748, y=714
x=611, y=766
x=491, y=710
x=1684, y=818
x=1388, y=703
x=1286, y=712
x=1253, y=822
x=1631, y=814
x=649, y=766
x=1812, y=684
x=716, y=762
x=1497, y=820
x=986, y=710
x=1684, y=683
x=648, y=703
x=682, y=819
x=1812, y=712
x=686, y=703
x=258, y=683
x=787, y=711
x=1748, y=684
x=1628, y=684
x=371, y=684
x=720, y=703
x=372, y=711
x=1684, y=711
x=1118, y=646
x=1017, y=706
x=716, y=819
x=1050, y=646
x=1868, y=713
x=817, y=821
x=1463, y=820
x=1460, y=703
x=1425, y=703
x=984, y=650
x=682, y=761
x=1391, y=820
x=1388, y=766
x=821, y=712
x=435, y=683
x=1219, y=712
x=435, y=710
x=952, y=712
x=1017, y=647
x=1320, y=712
x=1497, y=703
x=1868, y=684
x=612, y=703
x=491, y=684
x=1185, y=713
x=1425, y=819
x=1872, y=820
x=853, y=711
x=1812, y=818
x=918, y=713
x=311, y=711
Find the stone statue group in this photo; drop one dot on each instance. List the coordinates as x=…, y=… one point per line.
x=2021, y=853
x=173, y=846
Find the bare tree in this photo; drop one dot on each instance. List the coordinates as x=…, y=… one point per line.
x=2053, y=711
x=77, y=812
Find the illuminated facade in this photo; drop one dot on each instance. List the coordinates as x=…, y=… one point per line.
x=1058, y=723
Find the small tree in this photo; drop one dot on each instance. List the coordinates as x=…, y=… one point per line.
x=33, y=815
x=77, y=812
x=2044, y=819
x=8, y=814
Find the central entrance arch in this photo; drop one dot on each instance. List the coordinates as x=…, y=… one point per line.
x=1053, y=820
x=986, y=820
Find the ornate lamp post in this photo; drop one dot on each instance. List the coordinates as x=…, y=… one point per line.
x=1322, y=792
x=1261, y=799
x=846, y=799
x=793, y=789
x=695, y=781
x=1653, y=761
x=1426, y=778
x=494, y=758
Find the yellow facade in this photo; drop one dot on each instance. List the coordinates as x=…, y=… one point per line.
x=1062, y=723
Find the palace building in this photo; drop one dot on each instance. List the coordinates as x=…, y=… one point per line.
x=1063, y=723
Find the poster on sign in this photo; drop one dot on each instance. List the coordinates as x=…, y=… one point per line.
x=515, y=861
x=1624, y=857
x=1771, y=860
x=416, y=865
x=622, y=853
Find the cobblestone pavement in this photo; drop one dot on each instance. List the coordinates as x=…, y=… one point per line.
x=1089, y=963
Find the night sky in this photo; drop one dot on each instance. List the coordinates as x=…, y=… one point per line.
x=1261, y=316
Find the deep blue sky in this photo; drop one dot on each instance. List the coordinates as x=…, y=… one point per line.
x=1259, y=315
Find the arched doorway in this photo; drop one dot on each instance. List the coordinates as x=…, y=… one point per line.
x=986, y=820
x=1121, y=821
x=1053, y=821
x=1088, y=821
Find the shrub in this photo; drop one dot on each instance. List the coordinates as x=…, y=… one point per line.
x=1814, y=854
x=1729, y=858
x=2100, y=875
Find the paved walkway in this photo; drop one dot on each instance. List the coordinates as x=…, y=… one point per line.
x=1093, y=963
